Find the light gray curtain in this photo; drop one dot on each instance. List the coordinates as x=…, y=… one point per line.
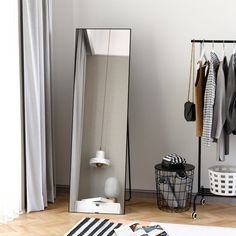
x=78, y=112
x=40, y=184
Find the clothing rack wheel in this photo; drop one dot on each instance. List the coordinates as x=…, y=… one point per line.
x=202, y=191
x=203, y=201
x=194, y=215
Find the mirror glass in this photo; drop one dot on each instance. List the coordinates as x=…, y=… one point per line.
x=100, y=111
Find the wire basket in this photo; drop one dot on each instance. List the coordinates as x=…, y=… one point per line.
x=222, y=180
x=174, y=188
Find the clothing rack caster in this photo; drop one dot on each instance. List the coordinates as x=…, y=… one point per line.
x=202, y=201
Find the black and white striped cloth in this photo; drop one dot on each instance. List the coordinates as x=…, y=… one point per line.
x=174, y=158
x=94, y=227
x=209, y=99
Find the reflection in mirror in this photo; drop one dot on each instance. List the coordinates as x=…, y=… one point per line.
x=100, y=110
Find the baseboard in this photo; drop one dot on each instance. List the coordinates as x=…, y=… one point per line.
x=62, y=188
x=141, y=193
x=215, y=199
x=134, y=192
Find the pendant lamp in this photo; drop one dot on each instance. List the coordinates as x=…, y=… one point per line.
x=100, y=160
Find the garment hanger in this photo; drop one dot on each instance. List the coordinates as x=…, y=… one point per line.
x=203, y=53
x=223, y=52
x=234, y=53
x=213, y=46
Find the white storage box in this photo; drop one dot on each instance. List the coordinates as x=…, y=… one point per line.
x=97, y=207
x=222, y=180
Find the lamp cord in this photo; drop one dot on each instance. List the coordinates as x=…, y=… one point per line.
x=105, y=92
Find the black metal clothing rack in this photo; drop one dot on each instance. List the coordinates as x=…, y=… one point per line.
x=212, y=41
x=201, y=190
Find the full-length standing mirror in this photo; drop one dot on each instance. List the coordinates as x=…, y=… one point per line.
x=100, y=112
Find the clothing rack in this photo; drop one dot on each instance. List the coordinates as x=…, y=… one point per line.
x=201, y=190
x=212, y=41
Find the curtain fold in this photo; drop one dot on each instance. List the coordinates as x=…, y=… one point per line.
x=78, y=112
x=37, y=91
x=50, y=163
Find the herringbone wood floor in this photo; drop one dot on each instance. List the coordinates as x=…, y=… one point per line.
x=56, y=220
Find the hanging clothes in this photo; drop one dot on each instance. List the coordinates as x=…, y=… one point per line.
x=231, y=98
x=209, y=99
x=226, y=72
x=219, y=112
x=199, y=88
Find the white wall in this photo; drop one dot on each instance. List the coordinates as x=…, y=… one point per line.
x=63, y=67
x=11, y=151
x=161, y=34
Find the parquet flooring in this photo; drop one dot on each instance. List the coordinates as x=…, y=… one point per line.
x=56, y=220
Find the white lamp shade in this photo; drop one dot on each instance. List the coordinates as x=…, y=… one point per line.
x=99, y=160
x=112, y=187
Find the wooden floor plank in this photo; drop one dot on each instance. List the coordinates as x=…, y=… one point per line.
x=56, y=220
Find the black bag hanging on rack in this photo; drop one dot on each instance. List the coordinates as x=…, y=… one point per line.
x=189, y=106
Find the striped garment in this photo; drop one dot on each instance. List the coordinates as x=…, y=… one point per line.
x=209, y=99
x=174, y=158
x=94, y=227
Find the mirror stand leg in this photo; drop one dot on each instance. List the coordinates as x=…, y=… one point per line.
x=128, y=159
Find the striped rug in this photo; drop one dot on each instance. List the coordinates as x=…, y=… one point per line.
x=93, y=227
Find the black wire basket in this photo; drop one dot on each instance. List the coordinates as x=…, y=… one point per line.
x=174, y=188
